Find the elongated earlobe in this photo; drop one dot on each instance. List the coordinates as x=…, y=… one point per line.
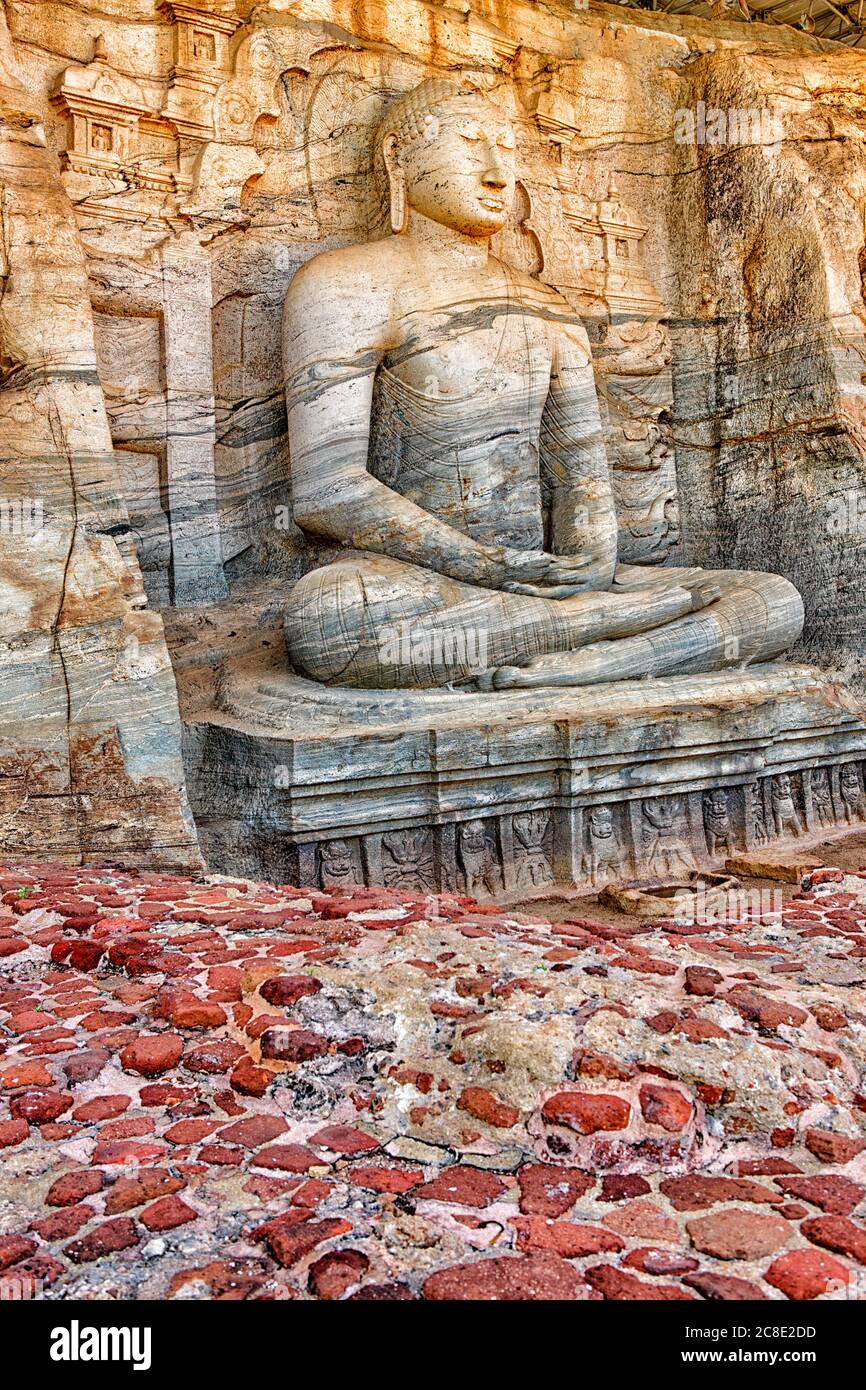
x=398, y=206
x=397, y=184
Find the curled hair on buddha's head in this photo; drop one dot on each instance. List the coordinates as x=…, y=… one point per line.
x=412, y=118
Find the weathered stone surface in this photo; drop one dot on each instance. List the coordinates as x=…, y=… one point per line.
x=155, y=444
x=790, y=868
x=89, y=721
x=338, y=1178
x=491, y=394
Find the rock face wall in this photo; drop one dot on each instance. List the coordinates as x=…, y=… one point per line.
x=695, y=190
x=769, y=348
x=89, y=729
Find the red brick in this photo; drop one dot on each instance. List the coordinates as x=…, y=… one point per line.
x=837, y=1233
x=101, y=1108
x=224, y=1155
x=571, y=1239
x=829, y=1017
x=652, y=1261
x=342, y=1139
x=250, y=1080
x=288, y=1158
x=253, y=1131
x=697, y=1190
x=213, y=1057
x=166, y=1213
x=804, y=1274
x=106, y=1239
x=13, y=1132
x=39, y=1107
x=14, y=1248
x=587, y=1112
x=621, y=1187
x=726, y=1287
x=86, y=1065
x=395, y=1180
x=73, y=1187
x=81, y=955
x=191, y=1131
x=60, y=1225
x=547, y=1190
x=665, y=1106
x=467, y=1187
x=333, y=1274
x=832, y=1148
x=128, y=1193
x=833, y=1194
x=621, y=1286
x=738, y=1234
x=289, y=1241
x=151, y=1055
x=286, y=990
x=537, y=1278
x=766, y=1012
x=484, y=1106
x=702, y=980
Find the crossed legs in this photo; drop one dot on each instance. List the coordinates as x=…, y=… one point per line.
x=376, y=623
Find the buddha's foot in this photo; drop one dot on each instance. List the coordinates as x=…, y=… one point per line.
x=603, y=661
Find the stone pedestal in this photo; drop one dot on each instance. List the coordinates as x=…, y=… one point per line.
x=509, y=795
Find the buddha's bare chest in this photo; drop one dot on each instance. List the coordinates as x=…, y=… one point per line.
x=472, y=348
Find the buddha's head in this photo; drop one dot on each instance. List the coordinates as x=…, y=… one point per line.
x=448, y=154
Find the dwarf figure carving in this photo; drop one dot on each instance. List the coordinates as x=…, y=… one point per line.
x=717, y=822
x=602, y=854
x=786, y=818
x=851, y=792
x=337, y=865
x=475, y=858
x=668, y=853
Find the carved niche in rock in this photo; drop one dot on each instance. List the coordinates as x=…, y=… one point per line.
x=202, y=63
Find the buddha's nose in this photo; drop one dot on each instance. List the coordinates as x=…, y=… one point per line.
x=494, y=175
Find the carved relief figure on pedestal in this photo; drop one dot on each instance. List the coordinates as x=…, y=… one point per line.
x=338, y=866
x=602, y=853
x=851, y=791
x=755, y=815
x=786, y=818
x=476, y=860
x=531, y=864
x=444, y=430
x=410, y=859
x=717, y=822
x=822, y=797
x=666, y=842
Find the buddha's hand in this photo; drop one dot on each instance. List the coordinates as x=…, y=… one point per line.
x=540, y=575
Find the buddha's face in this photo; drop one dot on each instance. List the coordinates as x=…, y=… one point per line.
x=460, y=172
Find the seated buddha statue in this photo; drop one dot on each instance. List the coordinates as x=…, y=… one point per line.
x=445, y=433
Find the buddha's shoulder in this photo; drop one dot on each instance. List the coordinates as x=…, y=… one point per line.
x=542, y=297
x=347, y=271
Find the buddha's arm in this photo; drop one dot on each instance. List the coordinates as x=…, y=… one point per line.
x=334, y=336
x=574, y=466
